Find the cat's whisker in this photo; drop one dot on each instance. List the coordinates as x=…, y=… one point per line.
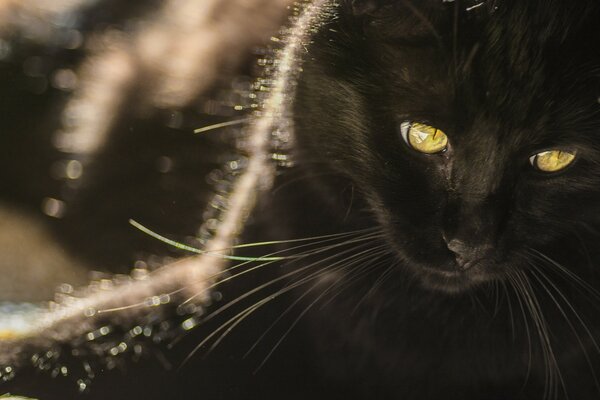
x=510, y=309
x=373, y=237
x=496, y=290
x=238, y=318
x=376, y=285
x=278, y=279
x=279, y=318
x=228, y=325
x=196, y=250
x=222, y=125
x=354, y=258
x=296, y=256
x=294, y=323
x=382, y=251
x=299, y=317
x=323, y=239
x=567, y=302
x=364, y=234
x=310, y=306
x=364, y=255
x=545, y=341
x=224, y=280
x=554, y=374
x=352, y=276
x=514, y=285
x=478, y=303
x=351, y=203
x=181, y=246
x=568, y=274
x=310, y=238
x=584, y=248
x=356, y=275
x=526, y=306
x=538, y=274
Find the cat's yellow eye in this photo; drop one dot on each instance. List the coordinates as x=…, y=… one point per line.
x=552, y=160
x=424, y=138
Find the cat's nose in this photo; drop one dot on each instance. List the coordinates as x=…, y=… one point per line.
x=467, y=255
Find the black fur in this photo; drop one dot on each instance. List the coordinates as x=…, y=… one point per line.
x=504, y=80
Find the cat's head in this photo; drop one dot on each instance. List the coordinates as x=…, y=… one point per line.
x=470, y=128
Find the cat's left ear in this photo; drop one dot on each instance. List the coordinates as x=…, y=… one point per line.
x=366, y=7
x=361, y=7
x=385, y=8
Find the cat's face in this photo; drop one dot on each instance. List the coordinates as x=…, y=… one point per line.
x=472, y=133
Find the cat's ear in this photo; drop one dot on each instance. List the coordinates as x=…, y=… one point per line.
x=383, y=8
x=399, y=18
x=366, y=7
x=362, y=7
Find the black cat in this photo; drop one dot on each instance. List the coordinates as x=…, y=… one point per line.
x=463, y=134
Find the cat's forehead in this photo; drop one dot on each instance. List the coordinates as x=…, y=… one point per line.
x=557, y=19
x=523, y=66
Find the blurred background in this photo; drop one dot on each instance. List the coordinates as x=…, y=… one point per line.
x=98, y=103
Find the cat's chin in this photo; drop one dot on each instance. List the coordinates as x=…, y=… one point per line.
x=454, y=282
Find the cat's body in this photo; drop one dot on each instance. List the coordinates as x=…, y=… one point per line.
x=504, y=80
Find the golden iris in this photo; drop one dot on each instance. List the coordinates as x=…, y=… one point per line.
x=552, y=160
x=424, y=138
